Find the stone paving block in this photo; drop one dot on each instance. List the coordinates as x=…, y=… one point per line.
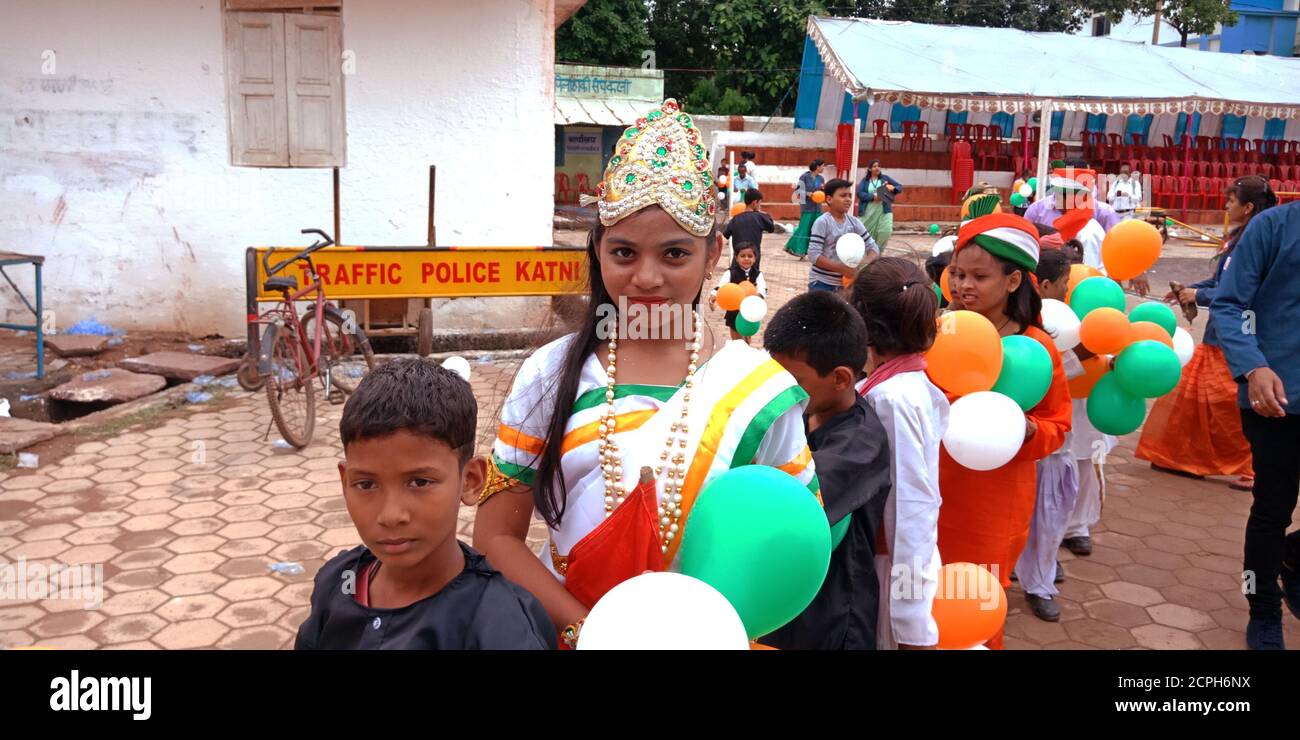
x=108, y=386
x=19, y=434
x=76, y=345
x=180, y=365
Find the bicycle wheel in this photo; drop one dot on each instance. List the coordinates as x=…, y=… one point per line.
x=347, y=355
x=289, y=392
x=248, y=377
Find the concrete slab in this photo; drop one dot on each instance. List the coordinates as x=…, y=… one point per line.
x=76, y=345
x=19, y=434
x=180, y=365
x=108, y=386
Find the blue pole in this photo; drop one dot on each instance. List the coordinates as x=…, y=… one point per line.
x=40, y=326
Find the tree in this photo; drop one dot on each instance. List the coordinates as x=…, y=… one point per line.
x=606, y=32
x=1188, y=17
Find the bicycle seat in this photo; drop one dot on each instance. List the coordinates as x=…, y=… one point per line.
x=280, y=283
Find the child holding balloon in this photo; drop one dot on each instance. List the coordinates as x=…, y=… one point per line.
x=822, y=342
x=1037, y=568
x=743, y=273
x=988, y=496
x=893, y=298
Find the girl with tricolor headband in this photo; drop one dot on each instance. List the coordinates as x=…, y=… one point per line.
x=985, y=518
x=582, y=434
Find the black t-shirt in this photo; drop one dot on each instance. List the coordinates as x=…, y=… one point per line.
x=478, y=610
x=851, y=453
x=748, y=228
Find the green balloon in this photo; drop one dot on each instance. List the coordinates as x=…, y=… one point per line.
x=938, y=293
x=1017, y=199
x=745, y=327
x=1147, y=369
x=839, y=529
x=759, y=537
x=1033, y=183
x=1156, y=313
x=934, y=228
x=1113, y=410
x=1026, y=371
x=1096, y=292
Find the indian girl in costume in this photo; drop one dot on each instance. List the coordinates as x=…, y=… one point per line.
x=610, y=434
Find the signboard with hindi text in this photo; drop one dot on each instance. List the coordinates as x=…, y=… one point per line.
x=609, y=83
x=581, y=140
x=433, y=272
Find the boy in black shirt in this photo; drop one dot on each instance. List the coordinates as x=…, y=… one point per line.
x=408, y=437
x=822, y=341
x=748, y=227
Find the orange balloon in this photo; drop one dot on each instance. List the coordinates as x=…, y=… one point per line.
x=943, y=285
x=729, y=297
x=737, y=209
x=1093, y=369
x=818, y=196
x=966, y=356
x=1104, y=331
x=760, y=646
x=1140, y=330
x=722, y=181
x=1130, y=249
x=970, y=606
x=748, y=288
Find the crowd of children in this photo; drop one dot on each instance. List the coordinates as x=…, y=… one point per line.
x=839, y=396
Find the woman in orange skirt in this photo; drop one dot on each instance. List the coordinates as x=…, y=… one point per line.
x=1196, y=430
x=985, y=515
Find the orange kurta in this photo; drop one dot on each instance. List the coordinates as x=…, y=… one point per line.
x=1197, y=428
x=985, y=515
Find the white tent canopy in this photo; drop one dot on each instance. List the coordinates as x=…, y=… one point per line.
x=961, y=68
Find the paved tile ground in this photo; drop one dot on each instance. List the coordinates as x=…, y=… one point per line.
x=187, y=517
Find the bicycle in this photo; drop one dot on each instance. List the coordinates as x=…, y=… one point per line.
x=325, y=343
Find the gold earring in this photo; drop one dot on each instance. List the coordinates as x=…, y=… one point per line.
x=708, y=275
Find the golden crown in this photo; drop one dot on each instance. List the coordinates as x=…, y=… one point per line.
x=659, y=161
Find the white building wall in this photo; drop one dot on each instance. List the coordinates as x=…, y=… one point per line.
x=115, y=164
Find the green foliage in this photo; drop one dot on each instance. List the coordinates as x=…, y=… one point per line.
x=735, y=57
x=1189, y=17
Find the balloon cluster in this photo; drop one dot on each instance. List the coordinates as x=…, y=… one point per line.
x=753, y=555
x=998, y=379
x=743, y=297
x=1137, y=356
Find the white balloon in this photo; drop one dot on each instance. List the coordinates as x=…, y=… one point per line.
x=851, y=249
x=753, y=308
x=1184, y=345
x=985, y=430
x=1061, y=323
x=458, y=365
x=722, y=195
x=663, y=611
x=1025, y=191
x=789, y=228
x=945, y=244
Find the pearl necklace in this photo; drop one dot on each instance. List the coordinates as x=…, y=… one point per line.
x=611, y=459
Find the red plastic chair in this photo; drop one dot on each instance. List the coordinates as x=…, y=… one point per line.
x=981, y=131
x=1275, y=185
x=1207, y=190
x=563, y=193
x=954, y=131
x=1160, y=188
x=881, y=133
x=917, y=135
x=1115, y=139
x=1148, y=167
x=584, y=185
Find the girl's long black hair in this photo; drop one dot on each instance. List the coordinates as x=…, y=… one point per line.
x=550, y=492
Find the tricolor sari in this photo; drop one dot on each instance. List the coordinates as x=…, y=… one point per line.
x=744, y=409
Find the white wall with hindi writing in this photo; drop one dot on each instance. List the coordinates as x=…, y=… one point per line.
x=114, y=160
